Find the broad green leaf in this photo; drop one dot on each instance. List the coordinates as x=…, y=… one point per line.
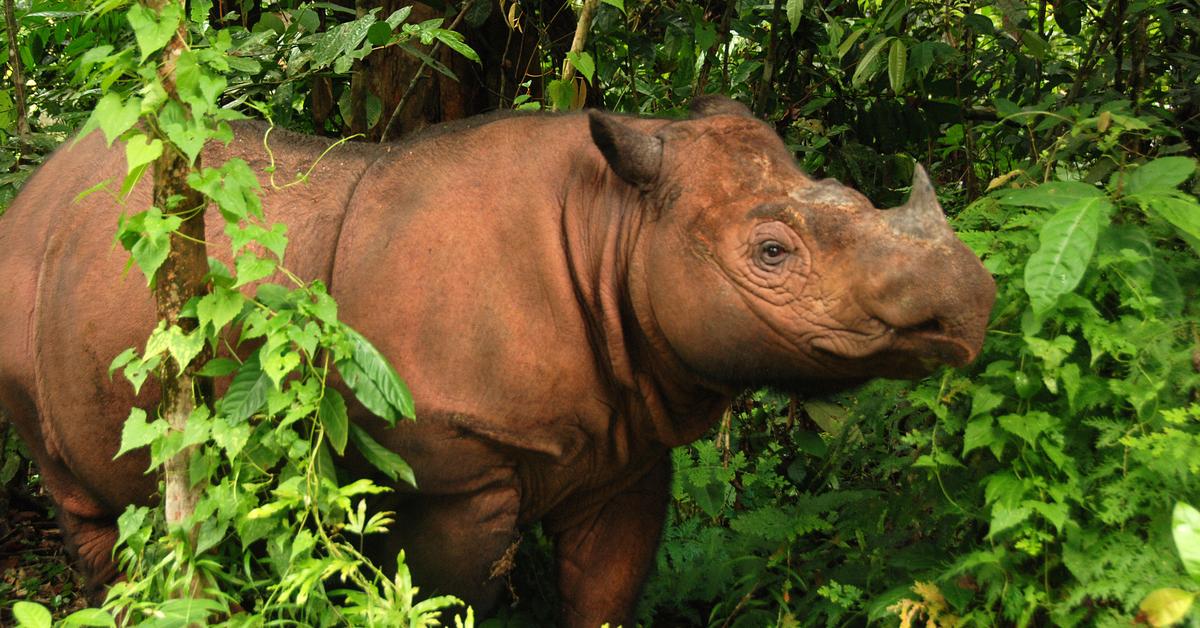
x=1028, y=426
x=123, y=358
x=1055, y=513
x=247, y=392
x=233, y=186
x=113, y=116
x=219, y=307
x=384, y=459
x=866, y=65
x=183, y=347
x=218, y=367
x=1185, y=527
x=1167, y=606
x=795, y=12
x=154, y=30
x=278, y=362
x=1160, y=176
x=562, y=94
x=897, y=62
x=139, y=151
x=332, y=414
x=620, y=4
x=88, y=617
x=1005, y=517
x=374, y=382
x=1067, y=242
x=150, y=249
x=454, y=41
x=1053, y=195
x=138, y=433
x=980, y=432
x=251, y=268
x=583, y=64
x=1183, y=212
x=31, y=615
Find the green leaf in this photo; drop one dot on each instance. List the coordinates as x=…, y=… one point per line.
x=454, y=41
x=113, y=116
x=148, y=236
x=1159, y=176
x=123, y=358
x=251, y=268
x=139, y=151
x=795, y=12
x=866, y=65
x=247, y=392
x=218, y=367
x=583, y=63
x=1028, y=426
x=138, y=433
x=1067, y=242
x=219, y=307
x=374, y=382
x=1005, y=517
x=381, y=457
x=619, y=4
x=1181, y=211
x=31, y=615
x=1185, y=527
x=332, y=414
x=980, y=432
x=897, y=60
x=183, y=347
x=154, y=30
x=1053, y=195
x=88, y=617
x=562, y=94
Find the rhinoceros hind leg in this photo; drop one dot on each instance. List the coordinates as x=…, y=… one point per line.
x=91, y=541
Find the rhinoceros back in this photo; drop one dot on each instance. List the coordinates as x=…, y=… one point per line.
x=73, y=305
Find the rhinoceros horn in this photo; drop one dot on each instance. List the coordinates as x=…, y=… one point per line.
x=636, y=157
x=921, y=217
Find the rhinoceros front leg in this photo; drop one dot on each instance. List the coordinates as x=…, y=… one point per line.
x=604, y=561
x=452, y=542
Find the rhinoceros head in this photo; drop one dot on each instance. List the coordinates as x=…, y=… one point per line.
x=752, y=272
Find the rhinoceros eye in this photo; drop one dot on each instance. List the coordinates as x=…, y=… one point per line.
x=772, y=253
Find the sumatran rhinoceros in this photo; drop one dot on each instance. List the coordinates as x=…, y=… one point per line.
x=567, y=296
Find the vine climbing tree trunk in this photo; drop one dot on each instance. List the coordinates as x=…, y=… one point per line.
x=178, y=279
x=14, y=66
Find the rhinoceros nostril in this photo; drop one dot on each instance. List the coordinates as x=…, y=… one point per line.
x=931, y=326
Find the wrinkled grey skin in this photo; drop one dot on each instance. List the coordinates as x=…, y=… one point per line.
x=567, y=296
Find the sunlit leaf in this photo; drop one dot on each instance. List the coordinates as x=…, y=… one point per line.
x=1165, y=607
x=897, y=61
x=1185, y=527
x=1067, y=242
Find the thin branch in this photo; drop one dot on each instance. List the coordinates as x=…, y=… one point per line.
x=14, y=64
x=387, y=130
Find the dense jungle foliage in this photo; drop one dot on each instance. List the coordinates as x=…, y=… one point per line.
x=1046, y=484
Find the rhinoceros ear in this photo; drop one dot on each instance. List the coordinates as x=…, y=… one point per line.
x=635, y=156
x=718, y=105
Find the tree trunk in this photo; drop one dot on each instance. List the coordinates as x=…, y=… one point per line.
x=179, y=278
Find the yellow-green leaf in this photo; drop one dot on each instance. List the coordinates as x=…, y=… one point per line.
x=897, y=64
x=1166, y=606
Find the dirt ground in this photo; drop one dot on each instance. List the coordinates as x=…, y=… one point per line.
x=34, y=564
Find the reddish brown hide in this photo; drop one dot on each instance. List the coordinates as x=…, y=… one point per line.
x=567, y=296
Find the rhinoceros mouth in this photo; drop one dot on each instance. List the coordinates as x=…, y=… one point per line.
x=927, y=345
